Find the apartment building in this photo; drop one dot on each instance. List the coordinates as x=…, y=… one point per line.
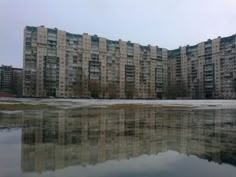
x=61, y=64
x=10, y=80
x=205, y=70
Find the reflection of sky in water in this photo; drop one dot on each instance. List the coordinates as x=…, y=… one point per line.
x=10, y=152
x=122, y=143
x=164, y=164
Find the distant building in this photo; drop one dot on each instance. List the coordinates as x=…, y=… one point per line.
x=61, y=64
x=10, y=81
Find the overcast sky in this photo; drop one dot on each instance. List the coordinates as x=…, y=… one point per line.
x=167, y=23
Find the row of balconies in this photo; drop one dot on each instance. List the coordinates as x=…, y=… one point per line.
x=208, y=79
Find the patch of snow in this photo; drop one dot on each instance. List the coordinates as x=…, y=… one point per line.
x=76, y=103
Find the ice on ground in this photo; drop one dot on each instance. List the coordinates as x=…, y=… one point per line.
x=76, y=103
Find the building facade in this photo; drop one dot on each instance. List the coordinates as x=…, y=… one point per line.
x=11, y=80
x=206, y=70
x=61, y=64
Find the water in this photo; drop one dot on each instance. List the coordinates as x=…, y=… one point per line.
x=102, y=142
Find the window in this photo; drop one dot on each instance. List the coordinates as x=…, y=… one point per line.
x=74, y=59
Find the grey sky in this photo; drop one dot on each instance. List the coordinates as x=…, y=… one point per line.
x=166, y=23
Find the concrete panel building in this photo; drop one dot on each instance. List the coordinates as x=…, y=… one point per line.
x=10, y=81
x=61, y=64
x=205, y=70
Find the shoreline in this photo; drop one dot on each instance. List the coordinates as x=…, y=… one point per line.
x=63, y=104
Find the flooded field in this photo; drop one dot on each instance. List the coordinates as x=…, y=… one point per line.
x=121, y=141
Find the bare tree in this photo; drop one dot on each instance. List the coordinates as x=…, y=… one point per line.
x=234, y=85
x=175, y=90
x=77, y=84
x=113, y=90
x=129, y=92
x=94, y=88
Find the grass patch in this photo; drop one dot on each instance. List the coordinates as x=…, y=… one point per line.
x=24, y=107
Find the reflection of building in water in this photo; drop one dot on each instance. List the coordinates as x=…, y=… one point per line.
x=11, y=120
x=54, y=140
